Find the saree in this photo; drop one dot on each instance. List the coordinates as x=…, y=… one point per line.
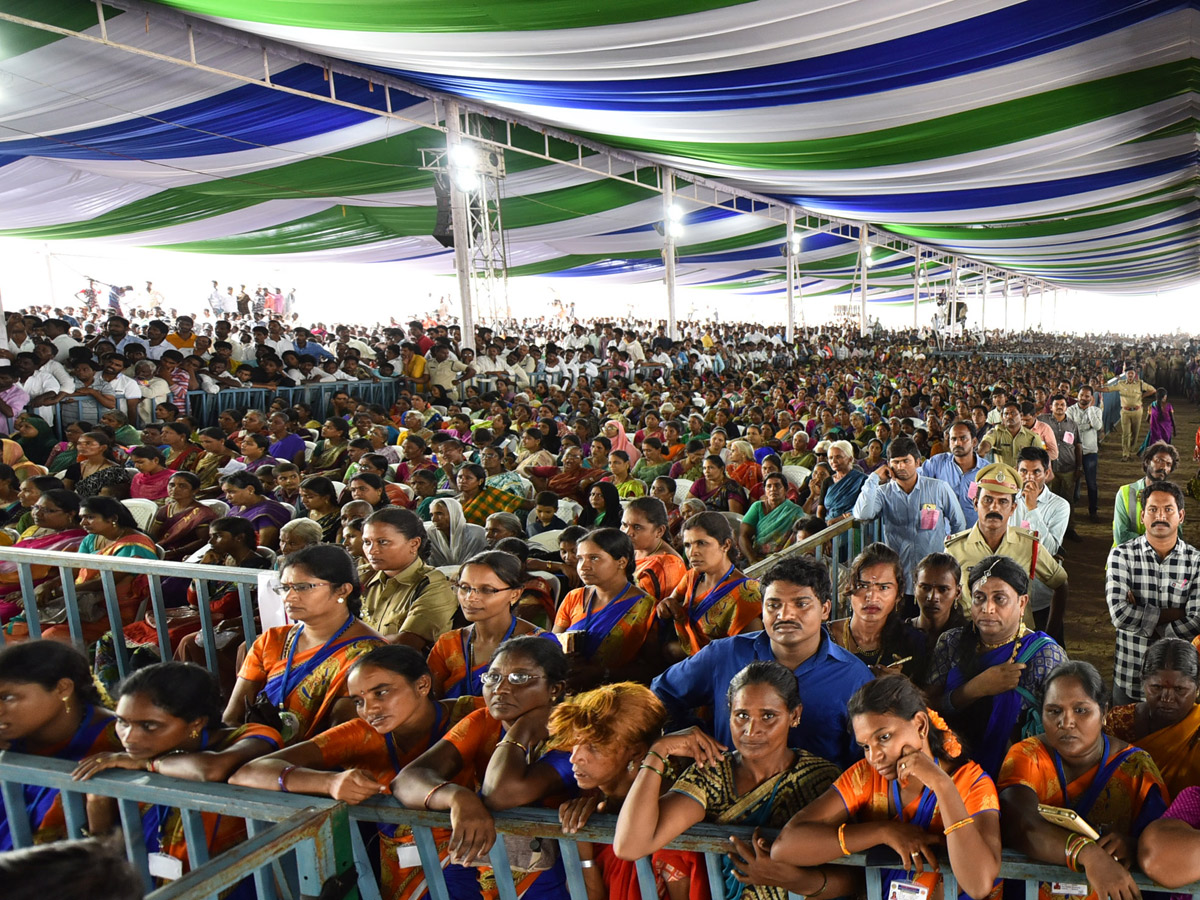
x=840, y=495
x=13, y=454
x=747, y=474
x=613, y=635
x=162, y=826
x=267, y=513
x=185, y=460
x=660, y=573
x=152, y=486
x=717, y=499
x=208, y=468
x=463, y=542
x=1011, y=715
x=489, y=500
x=130, y=592
x=733, y=604
x=179, y=525
x=772, y=530
x=451, y=652
x=622, y=442
x=63, y=456
x=329, y=458
x=770, y=804
x=1174, y=749
x=97, y=733
x=567, y=484
x=869, y=797
x=1123, y=792
x=475, y=738
x=66, y=541
x=308, y=684
x=356, y=745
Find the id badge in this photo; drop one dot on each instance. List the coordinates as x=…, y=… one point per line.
x=165, y=866
x=1069, y=439
x=930, y=516
x=1067, y=889
x=407, y=856
x=572, y=641
x=972, y=490
x=907, y=890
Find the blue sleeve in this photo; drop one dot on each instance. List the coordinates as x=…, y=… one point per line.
x=687, y=684
x=560, y=762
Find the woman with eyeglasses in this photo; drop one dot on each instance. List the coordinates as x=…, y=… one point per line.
x=499, y=758
x=397, y=719
x=608, y=624
x=489, y=587
x=296, y=674
x=988, y=676
x=875, y=631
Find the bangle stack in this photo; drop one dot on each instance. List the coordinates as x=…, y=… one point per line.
x=287, y=770
x=842, y=839
x=961, y=823
x=1075, y=845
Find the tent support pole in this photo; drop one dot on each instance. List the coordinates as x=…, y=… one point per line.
x=790, y=256
x=864, y=252
x=459, y=215
x=667, y=177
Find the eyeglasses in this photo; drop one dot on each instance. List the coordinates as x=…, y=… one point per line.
x=868, y=587
x=491, y=679
x=299, y=587
x=484, y=591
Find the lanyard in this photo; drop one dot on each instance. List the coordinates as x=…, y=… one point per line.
x=587, y=610
x=925, y=807
x=434, y=735
x=468, y=640
x=287, y=672
x=720, y=581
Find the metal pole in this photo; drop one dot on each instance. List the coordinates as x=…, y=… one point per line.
x=983, y=292
x=459, y=214
x=953, y=295
x=1024, y=305
x=864, y=252
x=1006, y=294
x=789, y=255
x=1054, y=312
x=668, y=196
x=916, y=288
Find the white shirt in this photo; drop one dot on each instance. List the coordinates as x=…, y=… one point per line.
x=124, y=386
x=1049, y=520
x=42, y=381
x=155, y=352
x=64, y=343
x=1090, y=425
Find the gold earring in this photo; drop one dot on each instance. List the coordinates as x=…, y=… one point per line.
x=195, y=733
x=66, y=705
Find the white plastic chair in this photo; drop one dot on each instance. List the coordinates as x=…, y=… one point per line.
x=309, y=447
x=220, y=507
x=450, y=572
x=683, y=488
x=290, y=507
x=735, y=522
x=143, y=511
x=796, y=474
x=547, y=540
x=339, y=486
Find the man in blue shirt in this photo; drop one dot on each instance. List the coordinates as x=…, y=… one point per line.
x=958, y=467
x=914, y=510
x=796, y=602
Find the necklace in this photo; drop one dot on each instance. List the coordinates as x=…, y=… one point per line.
x=1014, y=640
x=848, y=639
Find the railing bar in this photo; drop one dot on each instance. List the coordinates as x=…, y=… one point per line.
x=159, y=605
x=949, y=883
x=32, y=617
x=18, y=817
x=645, y=877
x=193, y=833
x=576, y=886
x=249, y=631
x=1032, y=889
x=506, y=888
x=716, y=879
x=264, y=880
x=72, y=602
x=435, y=877
x=135, y=840
x=75, y=810
x=108, y=581
x=874, y=884
x=206, y=626
x=368, y=889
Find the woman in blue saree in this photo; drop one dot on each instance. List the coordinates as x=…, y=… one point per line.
x=987, y=675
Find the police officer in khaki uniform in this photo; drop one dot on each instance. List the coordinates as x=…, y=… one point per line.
x=995, y=499
x=1006, y=441
x=1133, y=391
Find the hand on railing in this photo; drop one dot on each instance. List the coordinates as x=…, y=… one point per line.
x=472, y=829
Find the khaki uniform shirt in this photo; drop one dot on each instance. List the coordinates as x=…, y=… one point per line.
x=969, y=548
x=1006, y=446
x=416, y=601
x=1131, y=393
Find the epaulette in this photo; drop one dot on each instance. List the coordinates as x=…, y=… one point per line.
x=955, y=538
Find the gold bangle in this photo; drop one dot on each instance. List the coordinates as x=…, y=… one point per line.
x=842, y=839
x=429, y=796
x=524, y=749
x=961, y=823
x=651, y=768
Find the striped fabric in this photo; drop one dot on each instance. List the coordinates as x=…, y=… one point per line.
x=1050, y=137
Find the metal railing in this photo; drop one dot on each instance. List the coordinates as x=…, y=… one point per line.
x=155, y=571
x=837, y=544
x=206, y=406
x=296, y=843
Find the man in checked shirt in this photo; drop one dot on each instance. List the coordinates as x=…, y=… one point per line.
x=1153, y=587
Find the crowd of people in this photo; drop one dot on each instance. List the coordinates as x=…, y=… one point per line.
x=573, y=565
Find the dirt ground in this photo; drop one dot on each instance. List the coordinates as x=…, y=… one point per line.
x=1089, y=630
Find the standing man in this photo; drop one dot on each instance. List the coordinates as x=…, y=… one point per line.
x=1158, y=462
x=1089, y=425
x=958, y=467
x=1152, y=587
x=1065, y=468
x=995, y=502
x=797, y=598
x=1010, y=437
x=1133, y=391
x=917, y=512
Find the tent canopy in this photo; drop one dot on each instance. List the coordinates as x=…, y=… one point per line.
x=1055, y=138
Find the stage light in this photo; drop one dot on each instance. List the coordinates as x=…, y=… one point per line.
x=675, y=229
x=675, y=213
x=463, y=156
x=466, y=180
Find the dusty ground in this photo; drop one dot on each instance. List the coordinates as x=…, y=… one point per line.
x=1089, y=630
